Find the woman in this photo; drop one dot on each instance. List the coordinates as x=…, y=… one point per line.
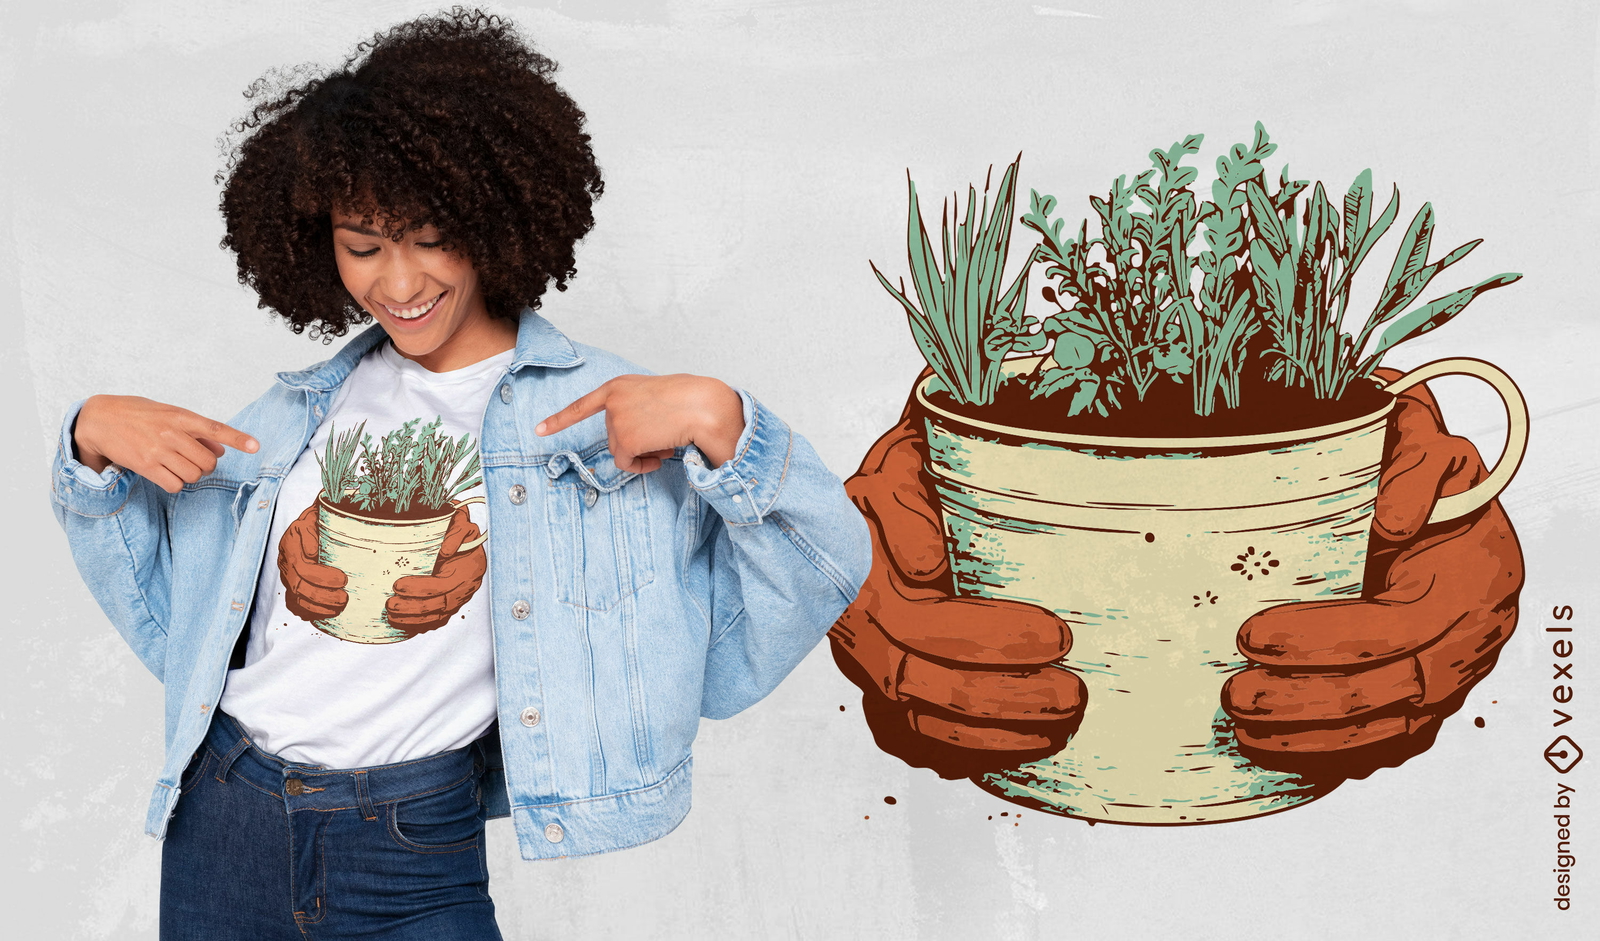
x=361, y=663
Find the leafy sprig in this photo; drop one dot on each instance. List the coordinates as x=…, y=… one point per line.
x=1124, y=306
x=1220, y=321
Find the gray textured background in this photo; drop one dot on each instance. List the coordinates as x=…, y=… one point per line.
x=755, y=155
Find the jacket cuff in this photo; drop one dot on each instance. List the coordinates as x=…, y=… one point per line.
x=745, y=487
x=76, y=487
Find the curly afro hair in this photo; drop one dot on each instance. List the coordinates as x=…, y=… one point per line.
x=451, y=120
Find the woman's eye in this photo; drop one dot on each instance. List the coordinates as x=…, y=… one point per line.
x=366, y=254
x=433, y=244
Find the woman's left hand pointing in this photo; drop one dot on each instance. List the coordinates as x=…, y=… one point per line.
x=648, y=416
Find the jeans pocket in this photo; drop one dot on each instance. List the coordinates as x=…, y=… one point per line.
x=198, y=764
x=443, y=821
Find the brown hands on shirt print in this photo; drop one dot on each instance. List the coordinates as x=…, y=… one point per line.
x=1176, y=550
x=388, y=551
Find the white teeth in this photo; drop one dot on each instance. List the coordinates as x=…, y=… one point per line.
x=412, y=313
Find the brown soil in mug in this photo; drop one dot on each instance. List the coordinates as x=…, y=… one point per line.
x=386, y=511
x=1168, y=411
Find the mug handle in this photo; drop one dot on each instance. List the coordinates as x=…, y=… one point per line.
x=471, y=544
x=1460, y=504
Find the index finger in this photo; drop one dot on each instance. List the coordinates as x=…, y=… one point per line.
x=592, y=404
x=209, y=428
x=1423, y=465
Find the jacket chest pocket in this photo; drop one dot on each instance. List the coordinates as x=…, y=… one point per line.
x=599, y=516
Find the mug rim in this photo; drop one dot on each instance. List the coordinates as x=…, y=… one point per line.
x=322, y=500
x=1164, y=443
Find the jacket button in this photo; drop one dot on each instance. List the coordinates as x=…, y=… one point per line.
x=517, y=494
x=519, y=609
x=554, y=833
x=530, y=717
x=505, y=393
x=590, y=496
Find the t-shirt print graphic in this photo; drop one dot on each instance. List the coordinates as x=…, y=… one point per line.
x=387, y=550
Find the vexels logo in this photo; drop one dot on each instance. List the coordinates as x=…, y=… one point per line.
x=1563, y=754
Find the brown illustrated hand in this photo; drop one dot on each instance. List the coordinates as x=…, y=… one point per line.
x=313, y=591
x=1341, y=688
x=959, y=685
x=423, y=602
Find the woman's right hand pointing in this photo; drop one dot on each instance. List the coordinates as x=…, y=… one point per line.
x=166, y=445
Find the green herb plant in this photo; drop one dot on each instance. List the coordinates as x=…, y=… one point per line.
x=1302, y=275
x=1139, y=302
x=406, y=471
x=1267, y=262
x=963, y=320
x=1126, y=287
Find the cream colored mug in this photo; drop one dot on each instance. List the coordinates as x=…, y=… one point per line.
x=1155, y=551
x=373, y=552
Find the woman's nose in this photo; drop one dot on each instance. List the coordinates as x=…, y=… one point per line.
x=402, y=278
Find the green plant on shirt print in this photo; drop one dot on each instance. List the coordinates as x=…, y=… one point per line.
x=1168, y=546
x=387, y=551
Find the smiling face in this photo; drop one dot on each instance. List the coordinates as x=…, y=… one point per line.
x=425, y=298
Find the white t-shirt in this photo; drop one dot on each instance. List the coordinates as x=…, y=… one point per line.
x=354, y=690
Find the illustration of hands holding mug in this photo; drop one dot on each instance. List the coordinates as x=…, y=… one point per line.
x=1041, y=682
x=387, y=550
x=398, y=591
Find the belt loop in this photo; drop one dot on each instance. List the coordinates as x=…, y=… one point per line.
x=228, y=759
x=364, y=796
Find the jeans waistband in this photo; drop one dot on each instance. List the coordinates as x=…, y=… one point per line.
x=312, y=787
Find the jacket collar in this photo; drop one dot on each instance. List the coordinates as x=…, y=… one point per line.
x=539, y=343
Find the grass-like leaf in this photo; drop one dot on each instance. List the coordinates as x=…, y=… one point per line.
x=962, y=320
x=1432, y=315
x=339, y=466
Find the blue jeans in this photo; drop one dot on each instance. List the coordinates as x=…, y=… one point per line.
x=262, y=848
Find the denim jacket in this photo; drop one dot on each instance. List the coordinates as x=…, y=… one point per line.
x=624, y=606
